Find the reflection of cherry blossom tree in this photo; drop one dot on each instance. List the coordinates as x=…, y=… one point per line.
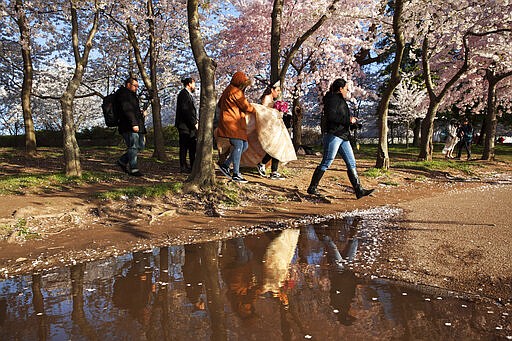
x=406, y=103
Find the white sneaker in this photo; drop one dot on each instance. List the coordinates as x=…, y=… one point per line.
x=276, y=176
x=261, y=169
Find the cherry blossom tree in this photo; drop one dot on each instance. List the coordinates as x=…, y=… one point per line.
x=407, y=101
x=447, y=53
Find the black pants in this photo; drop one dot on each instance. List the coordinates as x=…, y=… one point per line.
x=187, y=144
x=466, y=145
x=275, y=162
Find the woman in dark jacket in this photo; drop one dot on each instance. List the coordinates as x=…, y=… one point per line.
x=336, y=123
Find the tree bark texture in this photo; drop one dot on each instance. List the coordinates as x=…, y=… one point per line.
x=383, y=109
x=28, y=73
x=203, y=172
x=275, y=41
x=71, y=149
x=491, y=120
x=158, y=133
x=297, y=123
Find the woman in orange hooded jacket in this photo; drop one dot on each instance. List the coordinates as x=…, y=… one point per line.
x=232, y=124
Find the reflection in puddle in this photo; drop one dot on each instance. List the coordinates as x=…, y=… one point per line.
x=293, y=284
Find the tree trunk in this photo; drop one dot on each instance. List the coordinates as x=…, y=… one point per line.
x=203, y=172
x=382, y=149
x=26, y=88
x=71, y=149
x=491, y=116
x=427, y=131
x=275, y=41
x=159, y=151
x=297, y=123
x=416, y=132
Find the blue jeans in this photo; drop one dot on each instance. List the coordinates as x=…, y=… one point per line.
x=239, y=146
x=334, y=145
x=134, y=144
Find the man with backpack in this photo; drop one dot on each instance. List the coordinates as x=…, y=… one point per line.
x=131, y=125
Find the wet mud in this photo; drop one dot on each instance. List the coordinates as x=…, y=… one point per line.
x=318, y=280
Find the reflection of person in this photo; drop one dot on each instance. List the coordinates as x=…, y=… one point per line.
x=343, y=282
x=276, y=263
x=131, y=125
x=186, y=122
x=451, y=139
x=270, y=94
x=337, y=122
x=134, y=291
x=192, y=277
x=232, y=124
x=465, y=134
x=241, y=281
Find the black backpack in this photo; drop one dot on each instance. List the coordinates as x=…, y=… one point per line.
x=110, y=111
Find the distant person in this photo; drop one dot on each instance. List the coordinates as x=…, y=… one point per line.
x=268, y=98
x=336, y=128
x=187, y=123
x=465, y=134
x=131, y=125
x=233, y=108
x=451, y=139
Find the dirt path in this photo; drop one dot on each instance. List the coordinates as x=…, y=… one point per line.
x=455, y=232
x=460, y=240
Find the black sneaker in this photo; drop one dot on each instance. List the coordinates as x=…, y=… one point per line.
x=239, y=178
x=136, y=173
x=122, y=166
x=261, y=169
x=225, y=170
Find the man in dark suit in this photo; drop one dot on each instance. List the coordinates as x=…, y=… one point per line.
x=186, y=122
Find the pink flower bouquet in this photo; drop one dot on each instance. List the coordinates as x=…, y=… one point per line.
x=282, y=106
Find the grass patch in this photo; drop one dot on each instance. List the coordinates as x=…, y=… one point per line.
x=435, y=165
x=375, y=173
x=230, y=196
x=19, y=184
x=153, y=191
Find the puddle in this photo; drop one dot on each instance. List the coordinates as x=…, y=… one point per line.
x=293, y=284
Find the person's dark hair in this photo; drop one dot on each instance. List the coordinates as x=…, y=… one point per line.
x=268, y=91
x=187, y=81
x=337, y=84
x=130, y=80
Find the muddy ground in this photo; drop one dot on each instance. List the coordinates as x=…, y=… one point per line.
x=455, y=231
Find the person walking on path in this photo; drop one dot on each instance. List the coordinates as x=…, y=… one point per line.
x=336, y=128
x=465, y=134
x=131, y=125
x=233, y=108
x=451, y=139
x=268, y=98
x=186, y=122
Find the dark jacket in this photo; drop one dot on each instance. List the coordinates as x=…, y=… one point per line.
x=129, y=111
x=336, y=116
x=186, y=114
x=465, y=132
